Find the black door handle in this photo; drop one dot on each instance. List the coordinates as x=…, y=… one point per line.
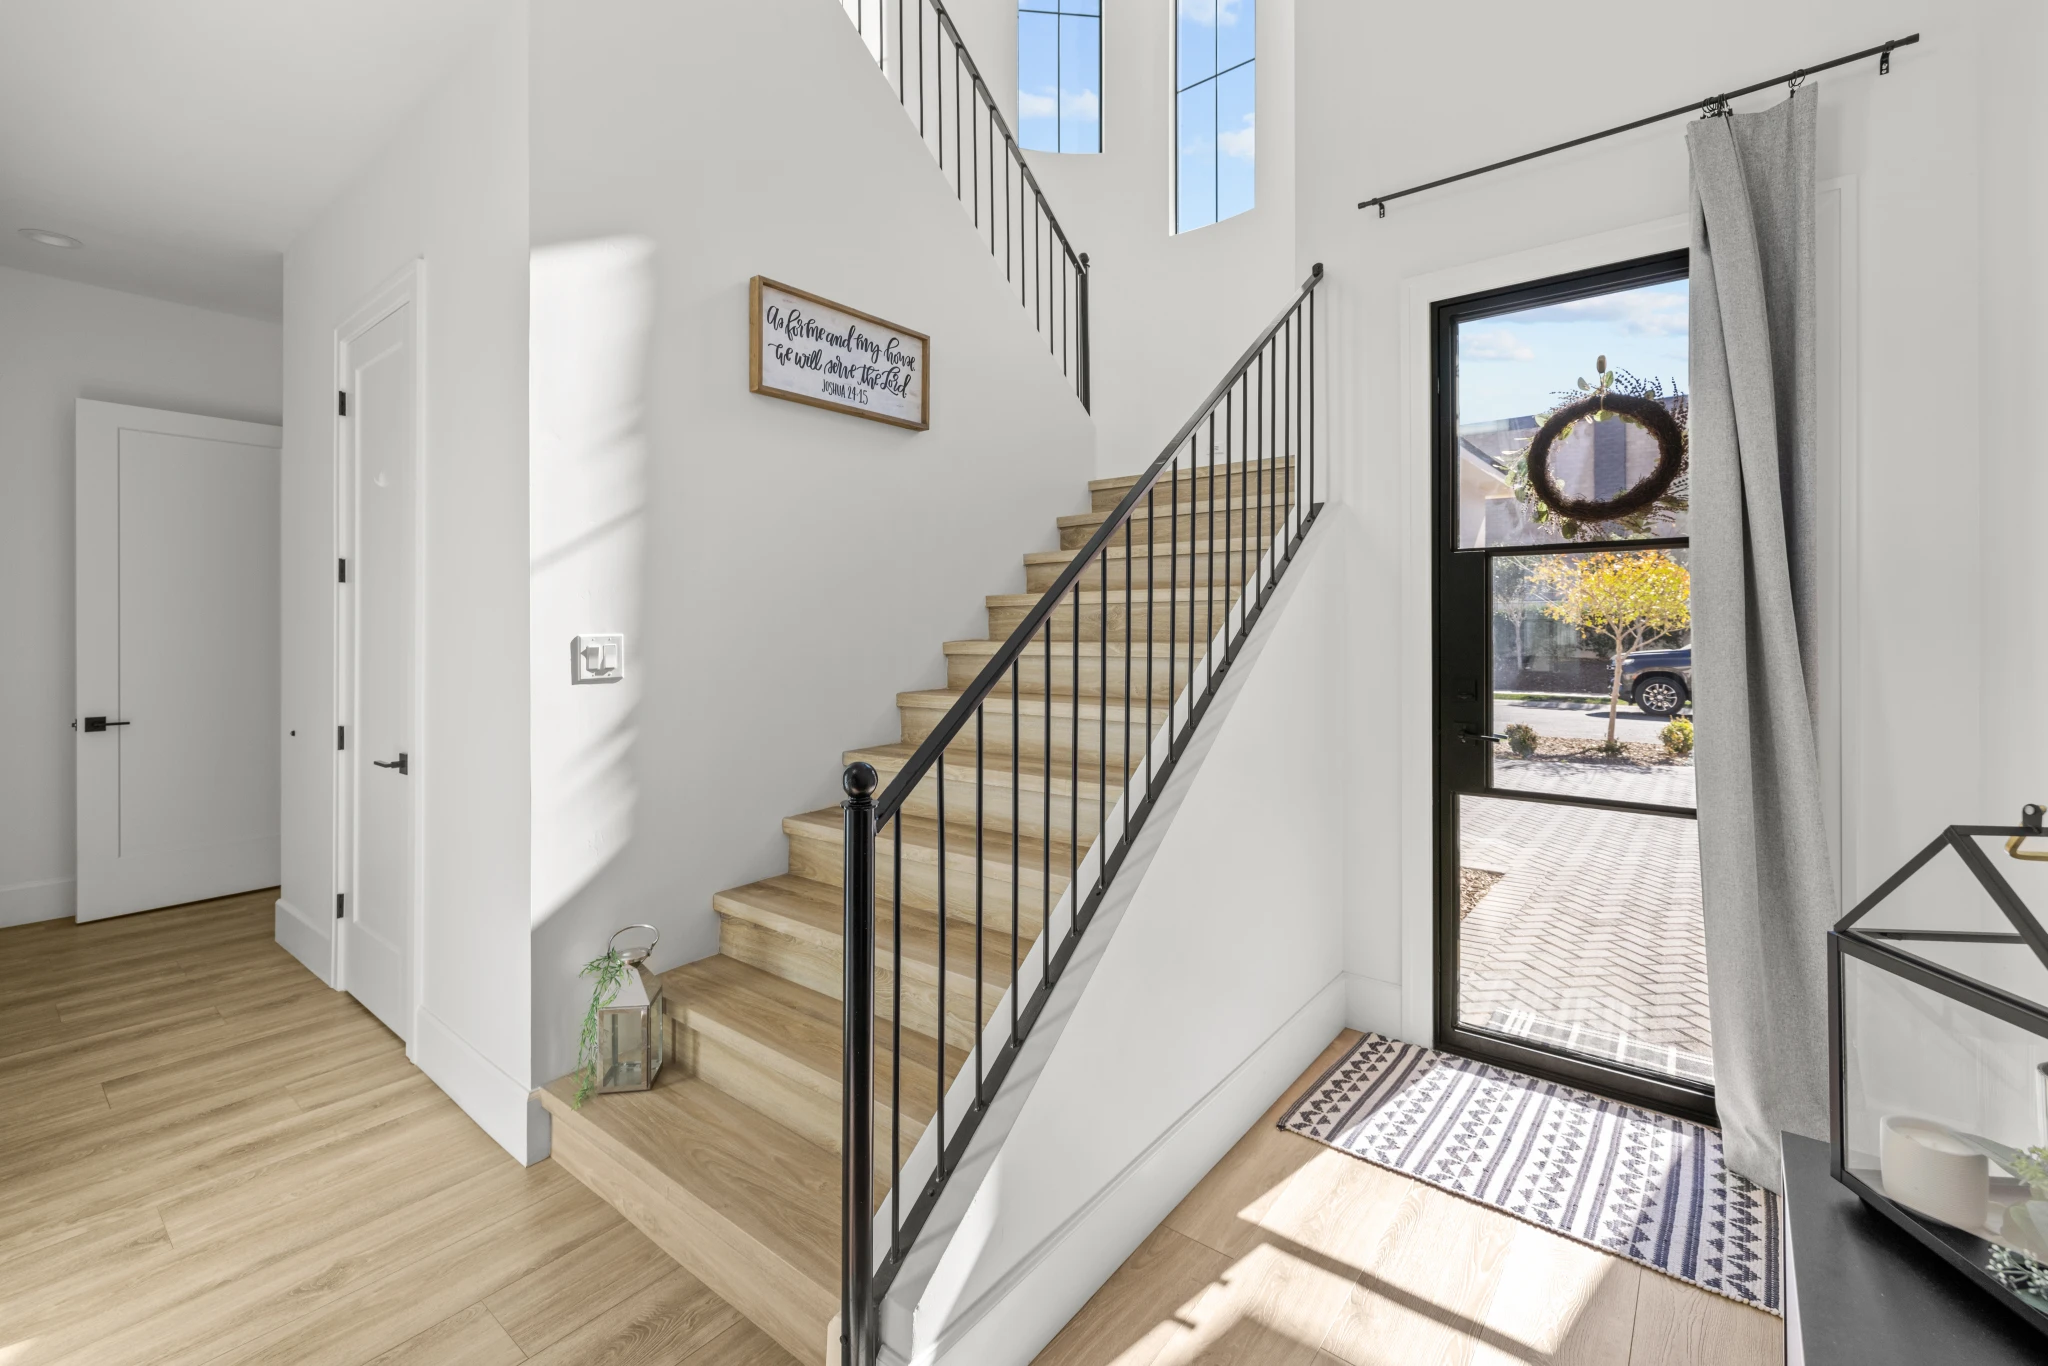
x=1474, y=737
x=398, y=763
x=99, y=723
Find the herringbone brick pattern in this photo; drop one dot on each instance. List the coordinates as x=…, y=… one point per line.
x=1592, y=939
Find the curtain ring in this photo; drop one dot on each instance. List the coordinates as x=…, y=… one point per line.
x=1792, y=86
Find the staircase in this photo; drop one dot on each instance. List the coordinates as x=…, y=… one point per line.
x=731, y=1162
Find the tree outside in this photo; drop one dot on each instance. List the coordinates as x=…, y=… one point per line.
x=1628, y=600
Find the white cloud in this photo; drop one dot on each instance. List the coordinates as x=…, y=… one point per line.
x=1236, y=142
x=1030, y=106
x=1227, y=12
x=1200, y=11
x=1500, y=344
x=1083, y=106
x=1637, y=312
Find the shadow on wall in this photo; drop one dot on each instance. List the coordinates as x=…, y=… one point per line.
x=589, y=345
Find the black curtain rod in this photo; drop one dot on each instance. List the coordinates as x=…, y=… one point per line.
x=1717, y=103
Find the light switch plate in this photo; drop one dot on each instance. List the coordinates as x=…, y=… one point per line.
x=597, y=659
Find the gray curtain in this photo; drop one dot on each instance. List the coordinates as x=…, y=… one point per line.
x=1769, y=891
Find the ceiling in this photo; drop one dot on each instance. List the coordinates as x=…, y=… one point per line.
x=187, y=142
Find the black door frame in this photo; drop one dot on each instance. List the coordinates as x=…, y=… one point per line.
x=1462, y=694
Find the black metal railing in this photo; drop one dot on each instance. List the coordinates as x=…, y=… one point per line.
x=1239, y=488
x=938, y=85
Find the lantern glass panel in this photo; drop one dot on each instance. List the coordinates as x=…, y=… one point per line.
x=657, y=1032
x=1944, y=1088
x=625, y=1049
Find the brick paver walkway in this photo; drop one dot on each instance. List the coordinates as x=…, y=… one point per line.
x=1592, y=939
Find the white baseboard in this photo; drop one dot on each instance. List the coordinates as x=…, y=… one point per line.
x=54, y=898
x=308, y=940
x=1024, y=1311
x=501, y=1105
x=1373, y=1006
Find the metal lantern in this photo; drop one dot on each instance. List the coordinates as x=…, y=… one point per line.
x=632, y=1031
x=1938, y=1055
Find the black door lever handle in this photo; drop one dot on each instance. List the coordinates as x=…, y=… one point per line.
x=398, y=763
x=99, y=723
x=1474, y=737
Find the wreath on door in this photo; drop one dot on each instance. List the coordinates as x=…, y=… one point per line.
x=1655, y=499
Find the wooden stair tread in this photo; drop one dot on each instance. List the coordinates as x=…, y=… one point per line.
x=1093, y=597
x=997, y=766
x=757, y=1009
x=1060, y=705
x=737, y=1163
x=1163, y=510
x=1161, y=550
x=814, y=912
x=921, y=845
x=1063, y=648
x=1200, y=470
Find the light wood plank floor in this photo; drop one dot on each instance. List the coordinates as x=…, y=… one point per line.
x=207, y=1156
x=1291, y=1254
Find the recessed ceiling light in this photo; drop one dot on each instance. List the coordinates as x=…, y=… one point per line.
x=50, y=239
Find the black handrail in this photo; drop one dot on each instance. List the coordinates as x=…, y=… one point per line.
x=1266, y=403
x=1059, y=307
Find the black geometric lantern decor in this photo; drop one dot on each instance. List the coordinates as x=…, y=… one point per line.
x=1938, y=1046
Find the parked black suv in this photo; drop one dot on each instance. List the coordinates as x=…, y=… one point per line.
x=1660, y=681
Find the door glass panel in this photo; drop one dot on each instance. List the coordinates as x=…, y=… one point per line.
x=1575, y=724
x=1515, y=369
x=1579, y=931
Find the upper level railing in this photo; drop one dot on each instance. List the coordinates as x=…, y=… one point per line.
x=938, y=85
x=1239, y=483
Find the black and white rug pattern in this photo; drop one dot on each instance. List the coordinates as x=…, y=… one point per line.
x=1617, y=1177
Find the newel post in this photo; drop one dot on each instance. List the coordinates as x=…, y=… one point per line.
x=859, y=1336
x=1081, y=298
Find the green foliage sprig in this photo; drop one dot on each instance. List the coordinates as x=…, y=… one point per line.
x=2031, y=1166
x=1677, y=736
x=1676, y=499
x=1521, y=739
x=610, y=971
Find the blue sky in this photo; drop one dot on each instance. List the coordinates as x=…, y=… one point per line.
x=1510, y=365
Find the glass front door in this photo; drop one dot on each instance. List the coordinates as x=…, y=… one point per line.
x=1569, y=935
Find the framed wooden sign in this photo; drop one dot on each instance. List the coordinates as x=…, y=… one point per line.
x=811, y=350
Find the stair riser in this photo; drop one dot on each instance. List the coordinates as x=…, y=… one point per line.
x=1201, y=573
x=1163, y=526
x=1273, y=476
x=1189, y=620
x=818, y=967
x=814, y=1113
x=822, y=861
x=962, y=670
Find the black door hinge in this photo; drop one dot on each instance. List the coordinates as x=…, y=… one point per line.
x=341, y=402
x=341, y=737
x=337, y=904
x=342, y=566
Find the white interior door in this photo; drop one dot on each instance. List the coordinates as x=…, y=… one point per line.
x=177, y=658
x=380, y=753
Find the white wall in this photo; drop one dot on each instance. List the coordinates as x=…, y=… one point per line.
x=1925, y=152
x=1170, y=313
x=1208, y=981
x=800, y=566
x=450, y=190
x=60, y=342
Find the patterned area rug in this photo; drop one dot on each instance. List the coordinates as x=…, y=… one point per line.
x=1626, y=1180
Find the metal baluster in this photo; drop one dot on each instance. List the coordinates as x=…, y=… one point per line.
x=920, y=68
x=974, y=146
x=1124, y=776
x=902, y=71
x=1151, y=636
x=980, y=877
x=857, y=1081
x=1229, y=534
x=1045, y=831
x=939, y=96
x=1074, y=775
x=1312, y=391
x=1102, y=743
x=940, y=1065
x=1016, y=835
x=1172, y=604
x=1209, y=567
x=896, y=1063
x=959, y=181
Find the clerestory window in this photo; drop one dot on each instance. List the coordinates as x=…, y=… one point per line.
x=1215, y=104
x=1059, y=75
